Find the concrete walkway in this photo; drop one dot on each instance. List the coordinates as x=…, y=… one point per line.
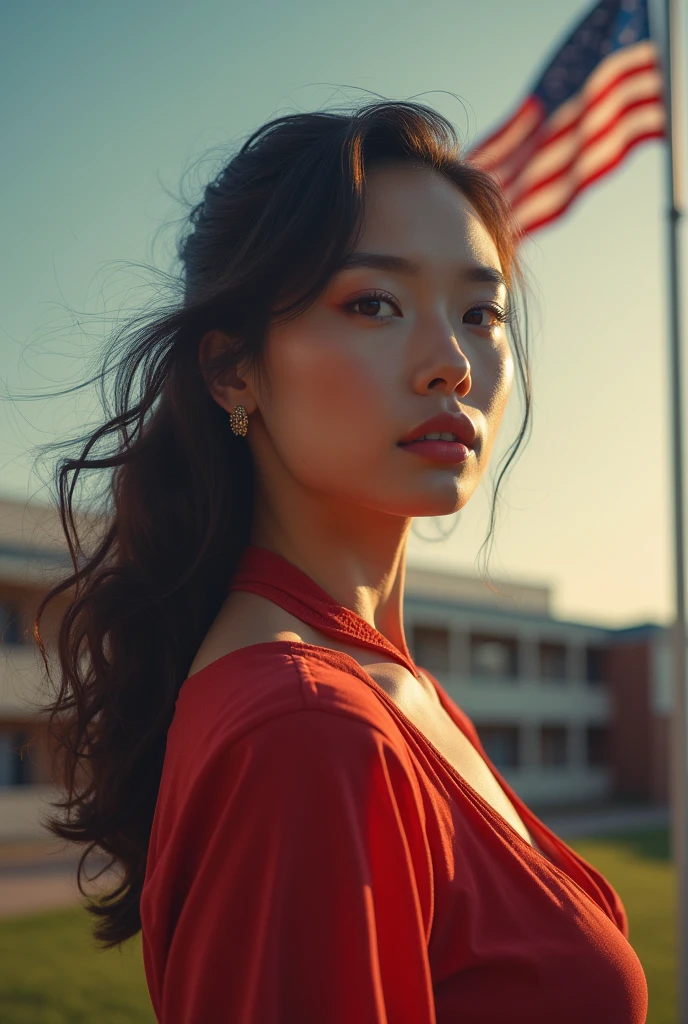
x=37, y=875
x=599, y=822
x=26, y=894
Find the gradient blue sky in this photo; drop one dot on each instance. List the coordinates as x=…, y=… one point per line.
x=107, y=107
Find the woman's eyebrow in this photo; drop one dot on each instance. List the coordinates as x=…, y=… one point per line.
x=382, y=261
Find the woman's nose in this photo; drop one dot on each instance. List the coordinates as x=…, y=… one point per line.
x=444, y=366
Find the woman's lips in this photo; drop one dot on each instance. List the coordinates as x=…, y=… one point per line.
x=439, y=451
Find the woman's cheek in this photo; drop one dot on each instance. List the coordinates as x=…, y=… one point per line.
x=333, y=379
x=333, y=440
x=332, y=399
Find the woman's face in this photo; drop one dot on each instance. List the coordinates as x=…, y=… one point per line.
x=355, y=374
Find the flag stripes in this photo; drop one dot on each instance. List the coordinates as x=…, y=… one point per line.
x=545, y=159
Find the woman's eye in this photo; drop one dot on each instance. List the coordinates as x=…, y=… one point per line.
x=497, y=315
x=370, y=305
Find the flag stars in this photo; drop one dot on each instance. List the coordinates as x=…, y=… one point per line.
x=599, y=18
x=542, y=181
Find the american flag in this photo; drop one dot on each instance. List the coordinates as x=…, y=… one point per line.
x=600, y=96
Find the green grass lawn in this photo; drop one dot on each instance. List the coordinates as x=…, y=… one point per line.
x=52, y=973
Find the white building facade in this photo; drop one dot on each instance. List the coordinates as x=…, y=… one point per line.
x=533, y=685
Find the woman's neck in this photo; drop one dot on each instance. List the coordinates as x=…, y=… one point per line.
x=356, y=555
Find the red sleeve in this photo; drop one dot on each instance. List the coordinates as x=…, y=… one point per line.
x=310, y=895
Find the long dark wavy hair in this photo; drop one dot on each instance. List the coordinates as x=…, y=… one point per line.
x=259, y=248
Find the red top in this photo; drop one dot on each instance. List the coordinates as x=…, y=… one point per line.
x=314, y=859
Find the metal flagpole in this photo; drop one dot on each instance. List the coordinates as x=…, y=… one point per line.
x=679, y=744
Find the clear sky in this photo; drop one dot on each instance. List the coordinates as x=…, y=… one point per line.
x=107, y=109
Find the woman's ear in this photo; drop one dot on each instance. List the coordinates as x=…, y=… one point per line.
x=227, y=388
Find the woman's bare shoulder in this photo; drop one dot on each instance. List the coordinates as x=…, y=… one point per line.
x=246, y=619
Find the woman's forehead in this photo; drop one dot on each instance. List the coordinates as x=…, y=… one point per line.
x=419, y=211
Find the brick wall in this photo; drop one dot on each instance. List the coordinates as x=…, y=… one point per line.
x=632, y=762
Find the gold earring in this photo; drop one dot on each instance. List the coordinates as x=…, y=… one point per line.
x=238, y=421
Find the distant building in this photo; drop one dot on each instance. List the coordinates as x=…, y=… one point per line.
x=568, y=712
x=33, y=553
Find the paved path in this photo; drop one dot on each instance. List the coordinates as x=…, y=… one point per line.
x=48, y=891
x=34, y=877
x=620, y=819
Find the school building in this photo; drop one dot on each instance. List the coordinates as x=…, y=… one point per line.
x=568, y=711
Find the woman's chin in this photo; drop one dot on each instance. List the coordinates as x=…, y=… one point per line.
x=427, y=506
x=443, y=499
x=443, y=502
x=438, y=510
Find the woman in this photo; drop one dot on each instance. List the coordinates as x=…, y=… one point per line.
x=308, y=827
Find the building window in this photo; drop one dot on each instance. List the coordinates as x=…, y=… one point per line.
x=553, y=662
x=431, y=648
x=501, y=743
x=595, y=664
x=15, y=767
x=9, y=624
x=554, y=745
x=494, y=656
x=597, y=738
